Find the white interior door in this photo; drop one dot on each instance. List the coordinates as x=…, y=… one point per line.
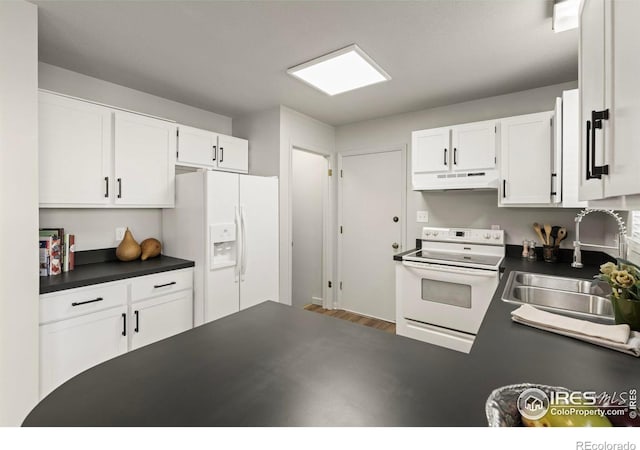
x=372, y=195
x=309, y=178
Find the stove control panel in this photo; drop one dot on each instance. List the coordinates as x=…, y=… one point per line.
x=470, y=235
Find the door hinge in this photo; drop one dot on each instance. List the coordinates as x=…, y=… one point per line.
x=341, y=285
x=340, y=229
x=340, y=173
x=330, y=172
x=495, y=160
x=551, y=122
x=177, y=132
x=329, y=283
x=177, y=154
x=495, y=128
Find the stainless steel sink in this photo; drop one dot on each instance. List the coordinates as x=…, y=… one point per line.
x=584, y=299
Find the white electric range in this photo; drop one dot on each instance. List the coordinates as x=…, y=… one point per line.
x=443, y=290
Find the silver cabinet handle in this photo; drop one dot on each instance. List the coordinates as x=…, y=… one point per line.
x=395, y=246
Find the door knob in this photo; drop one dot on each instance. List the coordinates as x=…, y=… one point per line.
x=395, y=218
x=395, y=246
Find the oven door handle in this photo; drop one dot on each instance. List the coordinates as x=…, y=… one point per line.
x=451, y=269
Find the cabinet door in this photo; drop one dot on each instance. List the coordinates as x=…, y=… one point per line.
x=233, y=154
x=71, y=346
x=571, y=168
x=525, y=159
x=144, y=160
x=474, y=146
x=622, y=149
x=160, y=318
x=592, y=90
x=430, y=151
x=196, y=147
x=74, y=152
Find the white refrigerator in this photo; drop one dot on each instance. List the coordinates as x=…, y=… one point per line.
x=228, y=224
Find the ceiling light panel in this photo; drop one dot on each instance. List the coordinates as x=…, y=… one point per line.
x=340, y=71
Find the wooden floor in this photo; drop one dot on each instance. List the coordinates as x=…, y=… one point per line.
x=388, y=327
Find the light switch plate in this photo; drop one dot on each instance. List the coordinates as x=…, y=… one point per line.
x=422, y=216
x=120, y=233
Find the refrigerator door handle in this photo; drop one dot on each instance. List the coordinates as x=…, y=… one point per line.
x=243, y=269
x=236, y=269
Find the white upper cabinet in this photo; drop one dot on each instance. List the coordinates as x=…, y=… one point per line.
x=74, y=152
x=454, y=157
x=233, y=154
x=91, y=155
x=570, y=144
x=144, y=160
x=196, y=147
x=610, y=99
x=430, y=150
x=206, y=149
x=474, y=146
x=526, y=153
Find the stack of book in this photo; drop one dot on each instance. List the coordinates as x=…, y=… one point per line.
x=57, y=251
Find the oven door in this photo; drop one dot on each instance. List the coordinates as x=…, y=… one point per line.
x=445, y=296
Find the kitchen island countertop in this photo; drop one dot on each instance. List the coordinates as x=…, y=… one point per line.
x=275, y=365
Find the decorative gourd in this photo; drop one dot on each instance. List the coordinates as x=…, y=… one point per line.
x=150, y=248
x=129, y=249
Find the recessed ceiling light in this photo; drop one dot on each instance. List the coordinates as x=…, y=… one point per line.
x=343, y=70
x=565, y=15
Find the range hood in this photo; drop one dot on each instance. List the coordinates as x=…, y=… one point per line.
x=473, y=179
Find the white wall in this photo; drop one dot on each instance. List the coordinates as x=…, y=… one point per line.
x=65, y=81
x=262, y=129
x=307, y=188
x=94, y=228
x=304, y=132
x=464, y=208
x=18, y=211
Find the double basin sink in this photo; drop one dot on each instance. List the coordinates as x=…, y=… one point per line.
x=583, y=299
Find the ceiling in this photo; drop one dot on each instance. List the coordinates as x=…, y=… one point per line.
x=231, y=57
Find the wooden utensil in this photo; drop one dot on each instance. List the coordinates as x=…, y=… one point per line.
x=536, y=228
x=562, y=233
x=554, y=235
x=547, y=232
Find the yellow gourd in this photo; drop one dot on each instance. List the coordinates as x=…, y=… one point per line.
x=129, y=249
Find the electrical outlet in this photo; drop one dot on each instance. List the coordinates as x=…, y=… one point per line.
x=422, y=216
x=120, y=233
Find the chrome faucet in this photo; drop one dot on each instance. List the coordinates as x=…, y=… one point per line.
x=622, y=236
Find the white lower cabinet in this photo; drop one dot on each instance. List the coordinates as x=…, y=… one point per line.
x=83, y=327
x=71, y=346
x=160, y=318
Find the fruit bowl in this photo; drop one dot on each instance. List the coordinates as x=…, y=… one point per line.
x=502, y=405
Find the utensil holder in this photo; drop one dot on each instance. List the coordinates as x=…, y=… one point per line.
x=550, y=253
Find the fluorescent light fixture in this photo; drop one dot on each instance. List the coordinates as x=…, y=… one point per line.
x=343, y=70
x=565, y=15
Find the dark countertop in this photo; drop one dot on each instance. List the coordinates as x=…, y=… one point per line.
x=275, y=365
x=102, y=272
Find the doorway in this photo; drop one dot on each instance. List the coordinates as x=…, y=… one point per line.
x=372, y=190
x=309, y=203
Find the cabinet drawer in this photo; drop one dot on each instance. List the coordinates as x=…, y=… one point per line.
x=76, y=302
x=161, y=283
